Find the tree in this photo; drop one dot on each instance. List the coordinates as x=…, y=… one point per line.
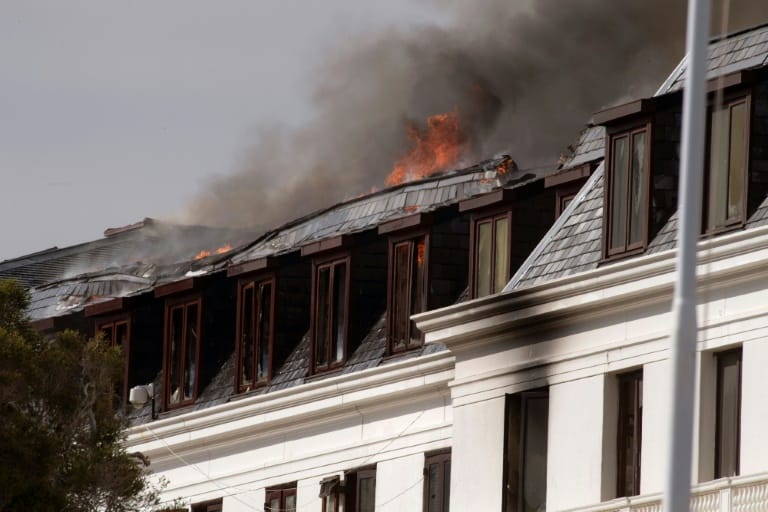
x=60, y=438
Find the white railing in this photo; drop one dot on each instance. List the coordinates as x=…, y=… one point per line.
x=737, y=494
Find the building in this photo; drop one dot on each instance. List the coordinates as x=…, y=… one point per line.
x=569, y=368
x=286, y=372
x=447, y=342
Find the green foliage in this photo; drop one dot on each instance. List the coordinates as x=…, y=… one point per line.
x=60, y=439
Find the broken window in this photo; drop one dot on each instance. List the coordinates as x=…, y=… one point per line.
x=255, y=333
x=727, y=172
x=330, y=314
x=491, y=254
x=408, y=291
x=182, y=347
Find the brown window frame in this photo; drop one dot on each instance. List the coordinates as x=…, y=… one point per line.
x=114, y=321
x=409, y=240
x=626, y=434
x=352, y=480
x=628, y=130
x=564, y=196
x=255, y=284
x=729, y=101
x=331, y=262
x=208, y=506
x=478, y=219
x=720, y=363
x=170, y=305
x=281, y=492
x=443, y=484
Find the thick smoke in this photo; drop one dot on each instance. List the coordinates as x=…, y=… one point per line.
x=524, y=75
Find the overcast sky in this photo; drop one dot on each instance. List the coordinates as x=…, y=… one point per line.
x=112, y=111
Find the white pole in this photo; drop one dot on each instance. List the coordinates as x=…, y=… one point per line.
x=677, y=493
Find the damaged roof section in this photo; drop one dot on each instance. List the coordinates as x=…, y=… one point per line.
x=367, y=212
x=129, y=260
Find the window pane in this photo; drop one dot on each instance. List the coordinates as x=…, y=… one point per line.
x=447, y=486
x=274, y=505
x=246, y=340
x=340, y=308
x=108, y=332
x=534, y=488
x=265, y=330
x=434, y=492
x=728, y=414
x=175, y=356
x=619, y=193
x=323, y=311
x=718, y=168
x=400, y=313
x=190, y=364
x=501, y=249
x=367, y=498
x=121, y=334
x=290, y=503
x=483, y=270
x=737, y=163
x=629, y=434
x=637, y=191
x=419, y=286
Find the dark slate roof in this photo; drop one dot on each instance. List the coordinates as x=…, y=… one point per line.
x=410, y=198
x=589, y=148
x=740, y=51
x=573, y=243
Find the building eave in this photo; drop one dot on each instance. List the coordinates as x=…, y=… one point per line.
x=294, y=408
x=722, y=260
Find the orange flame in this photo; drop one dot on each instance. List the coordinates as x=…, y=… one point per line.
x=221, y=250
x=434, y=149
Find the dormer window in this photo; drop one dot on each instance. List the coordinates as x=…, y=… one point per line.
x=726, y=197
x=491, y=263
x=255, y=332
x=182, y=351
x=330, y=308
x=117, y=332
x=407, y=290
x=627, y=186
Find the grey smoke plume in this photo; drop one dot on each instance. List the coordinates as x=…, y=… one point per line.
x=525, y=76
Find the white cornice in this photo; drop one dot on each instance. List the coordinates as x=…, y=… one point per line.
x=722, y=260
x=293, y=407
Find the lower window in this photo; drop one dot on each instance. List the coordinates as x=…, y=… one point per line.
x=329, y=493
x=281, y=498
x=360, y=490
x=525, y=476
x=208, y=506
x=629, y=434
x=437, y=482
x=728, y=413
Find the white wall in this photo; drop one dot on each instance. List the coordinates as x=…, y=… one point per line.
x=477, y=456
x=754, y=407
x=656, y=407
x=400, y=484
x=574, y=468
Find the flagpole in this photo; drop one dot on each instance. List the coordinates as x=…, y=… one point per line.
x=677, y=492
